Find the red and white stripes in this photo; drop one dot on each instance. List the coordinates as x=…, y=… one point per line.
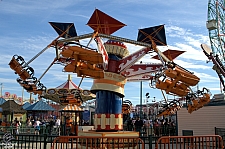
x=108, y=122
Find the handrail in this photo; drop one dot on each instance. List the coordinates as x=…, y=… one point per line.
x=97, y=142
x=200, y=142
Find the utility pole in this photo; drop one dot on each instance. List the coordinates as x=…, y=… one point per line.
x=147, y=97
x=141, y=97
x=30, y=98
x=22, y=96
x=1, y=89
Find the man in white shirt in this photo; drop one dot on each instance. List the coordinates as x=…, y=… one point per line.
x=37, y=126
x=57, y=123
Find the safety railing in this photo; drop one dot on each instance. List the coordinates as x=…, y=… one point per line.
x=30, y=130
x=190, y=142
x=11, y=129
x=26, y=141
x=220, y=132
x=97, y=142
x=156, y=131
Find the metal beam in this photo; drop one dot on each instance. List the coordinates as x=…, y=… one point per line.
x=116, y=38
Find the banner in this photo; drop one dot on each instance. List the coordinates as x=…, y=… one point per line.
x=8, y=95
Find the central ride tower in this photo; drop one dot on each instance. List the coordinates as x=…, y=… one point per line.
x=110, y=91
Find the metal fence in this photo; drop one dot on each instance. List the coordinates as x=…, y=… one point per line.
x=30, y=130
x=190, y=142
x=158, y=131
x=220, y=132
x=26, y=139
x=45, y=141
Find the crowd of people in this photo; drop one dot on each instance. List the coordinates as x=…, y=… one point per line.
x=35, y=124
x=156, y=127
x=51, y=125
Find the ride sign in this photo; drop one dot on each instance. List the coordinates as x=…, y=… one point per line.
x=7, y=141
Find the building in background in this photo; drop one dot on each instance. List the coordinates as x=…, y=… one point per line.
x=204, y=120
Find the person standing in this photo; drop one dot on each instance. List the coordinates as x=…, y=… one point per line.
x=16, y=125
x=147, y=126
x=51, y=125
x=37, y=127
x=130, y=124
x=57, y=123
x=166, y=127
x=68, y=125
x=138, y=124
x=156, y=127
x=29, y=125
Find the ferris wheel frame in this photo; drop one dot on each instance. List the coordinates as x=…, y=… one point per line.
x=216, y=27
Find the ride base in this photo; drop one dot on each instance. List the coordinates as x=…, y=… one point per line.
x=120, y=139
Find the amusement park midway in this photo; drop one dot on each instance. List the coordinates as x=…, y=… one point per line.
x=24, y=30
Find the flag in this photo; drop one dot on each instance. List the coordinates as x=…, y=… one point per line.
x=103, y=23
x=65, y=30
x=156, y=34
x=170, y=54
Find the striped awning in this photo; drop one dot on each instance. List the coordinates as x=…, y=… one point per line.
x=71, y=108
x=68, y=84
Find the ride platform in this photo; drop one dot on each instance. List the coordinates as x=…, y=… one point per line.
x=121, y=139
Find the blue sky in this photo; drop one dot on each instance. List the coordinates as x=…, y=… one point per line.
x=24, y=30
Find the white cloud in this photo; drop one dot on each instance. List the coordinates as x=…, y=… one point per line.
x=191, y=64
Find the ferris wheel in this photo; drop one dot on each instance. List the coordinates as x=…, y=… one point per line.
x=216, y=27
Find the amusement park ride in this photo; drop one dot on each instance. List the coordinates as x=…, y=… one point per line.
x=111, y=66
x=215, y=26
